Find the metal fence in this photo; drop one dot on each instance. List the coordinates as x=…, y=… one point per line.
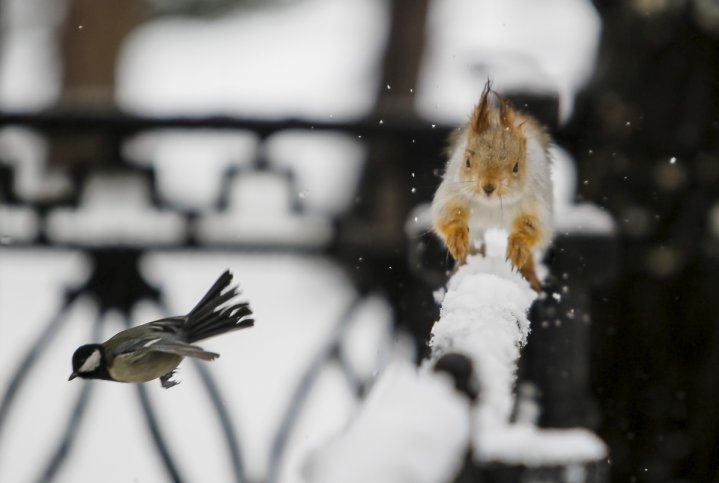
x=401, y=171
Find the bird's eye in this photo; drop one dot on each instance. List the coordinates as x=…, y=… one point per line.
x=468, y=163
x=516, y=168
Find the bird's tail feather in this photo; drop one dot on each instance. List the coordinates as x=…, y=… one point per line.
x=209, y=318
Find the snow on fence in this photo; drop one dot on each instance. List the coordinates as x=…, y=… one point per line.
x=484, y=316
x=412, y=428
x=416, y=427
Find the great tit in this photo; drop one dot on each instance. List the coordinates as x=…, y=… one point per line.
x=155, y=349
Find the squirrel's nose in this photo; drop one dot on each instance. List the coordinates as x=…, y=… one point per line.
x=488, y=188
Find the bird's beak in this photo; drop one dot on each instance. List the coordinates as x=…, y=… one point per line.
x=72, y=376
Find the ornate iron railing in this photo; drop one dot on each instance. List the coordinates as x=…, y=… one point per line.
x=404, y=156
x=110, y=262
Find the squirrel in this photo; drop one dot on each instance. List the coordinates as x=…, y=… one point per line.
x=497, y=176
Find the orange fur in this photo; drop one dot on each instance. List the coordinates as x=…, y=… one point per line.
x=453, y=227
x=526, y=233
x=497, y=176
x=480, y=116
x=495, y=142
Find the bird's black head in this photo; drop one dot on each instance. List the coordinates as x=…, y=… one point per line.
x=89, y=362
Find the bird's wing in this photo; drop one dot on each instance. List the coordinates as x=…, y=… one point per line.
x=183, y=349
x=168, y=325
x=140, y=348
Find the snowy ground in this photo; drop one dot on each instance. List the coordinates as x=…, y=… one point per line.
x=323, y=65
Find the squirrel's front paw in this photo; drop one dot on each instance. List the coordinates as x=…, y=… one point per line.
x=518, y=251
x=458, y=243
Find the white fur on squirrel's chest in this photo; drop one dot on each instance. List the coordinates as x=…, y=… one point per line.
x=484, y=216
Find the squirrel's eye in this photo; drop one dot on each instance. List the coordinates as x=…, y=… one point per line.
x=516, y=168
x=468, y=163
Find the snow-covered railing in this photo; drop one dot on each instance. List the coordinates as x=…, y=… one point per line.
x=412, y=427
x=416, y=426
x=484, y=316
x=494, y=298
x=69, y=211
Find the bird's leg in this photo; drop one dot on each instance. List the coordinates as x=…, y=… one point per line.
x=166, y=382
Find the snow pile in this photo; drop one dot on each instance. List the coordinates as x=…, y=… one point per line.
x=30, y=70
x=260, y=211
x=17, y=222
x=545, y=47
x=414, y=427
x=191, y=165
x=314, y=59
x=527, y=445
x=115, y=210
x=571, y=217
x=25, y=151
x=484, y=316
x=326, y=167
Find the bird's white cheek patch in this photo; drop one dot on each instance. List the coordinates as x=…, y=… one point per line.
x=91, y=363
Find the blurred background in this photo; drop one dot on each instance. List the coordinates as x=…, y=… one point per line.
x=147, y=145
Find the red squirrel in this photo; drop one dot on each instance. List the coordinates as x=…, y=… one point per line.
x=497, y=176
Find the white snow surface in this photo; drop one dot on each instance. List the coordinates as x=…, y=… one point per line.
x=484, y=316
x=316, y=59
x=414, y=427
x=583, y=218
x=30, y=70
x=115, y=210
x=571, y=217
x=547, y=47
x=528, y=445
x=326, y=167
x=193, y=165
x=190, y=165
x=17, y=223
x=260, y=211
x=26, y=151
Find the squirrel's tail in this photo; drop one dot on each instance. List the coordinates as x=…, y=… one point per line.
x=210, y=318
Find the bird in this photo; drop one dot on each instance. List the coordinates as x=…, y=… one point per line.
x=155, y=349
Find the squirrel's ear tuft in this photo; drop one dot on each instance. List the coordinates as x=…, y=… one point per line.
x=480, y=117
x=506, y=114
x=507, y=118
